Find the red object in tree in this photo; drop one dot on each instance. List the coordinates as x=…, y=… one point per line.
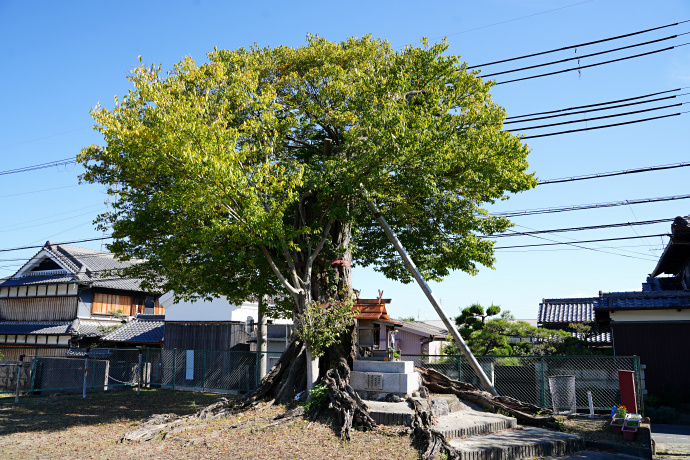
x=626, y=383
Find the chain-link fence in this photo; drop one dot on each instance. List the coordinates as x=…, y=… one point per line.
x=72, y=371
x=527, y=377
x=102, y=369
x=209, y=370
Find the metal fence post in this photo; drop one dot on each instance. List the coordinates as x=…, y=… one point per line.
x=139, y=374
x=86, y=371
x=19, y=374
x=203, y=375
x=638, y=384
x=543, y=383
x=147, y=370
x=174, y=352
x=33, y=370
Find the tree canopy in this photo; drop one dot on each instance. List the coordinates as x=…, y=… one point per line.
x=243, y=176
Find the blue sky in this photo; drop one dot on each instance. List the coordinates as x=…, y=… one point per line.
x=61, y=58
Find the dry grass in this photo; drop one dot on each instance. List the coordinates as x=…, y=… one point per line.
x=68, y=427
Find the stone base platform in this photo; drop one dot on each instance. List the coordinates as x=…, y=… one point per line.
x=375, y=377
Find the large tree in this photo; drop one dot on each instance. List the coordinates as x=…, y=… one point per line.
x=245, y=176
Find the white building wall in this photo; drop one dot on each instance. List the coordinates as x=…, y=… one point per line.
x=650, y=316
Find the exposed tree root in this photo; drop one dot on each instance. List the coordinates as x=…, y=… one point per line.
x=525, y=413
x=349, y=406
x=428, y=441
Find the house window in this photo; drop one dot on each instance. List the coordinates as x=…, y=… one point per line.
x=104, y=303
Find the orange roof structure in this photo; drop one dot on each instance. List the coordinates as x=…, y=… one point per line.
x=374, y=309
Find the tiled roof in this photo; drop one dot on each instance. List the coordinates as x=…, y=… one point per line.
x=671, y=283
x=38, y=280
x=142, y=329
x=601, y=338
x=643, y=300
x=423, y=328
x=35, y=328
x=85, y=266
x=576, y=310
x=89, y=328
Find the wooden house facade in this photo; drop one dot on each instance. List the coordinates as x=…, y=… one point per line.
x=67, y=296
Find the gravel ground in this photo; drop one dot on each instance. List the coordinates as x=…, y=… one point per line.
x=68, y=427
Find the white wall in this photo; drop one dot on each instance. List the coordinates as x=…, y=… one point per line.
x=647, y=316
x=218, y=309
x=207, y=310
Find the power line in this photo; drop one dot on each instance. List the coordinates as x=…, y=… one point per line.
x=574, y=244
x=599, y=118
x=577, y=46
x=578, y=207
x=580, y=57
x=613, y=173
x=65, y=242
x=580, y=112
x=598, y=104
x=603, y=126
x=50, y=164
x=584, y=241
x=517, y=19
x=578, y=229
x=590, y=65
x=38, y=191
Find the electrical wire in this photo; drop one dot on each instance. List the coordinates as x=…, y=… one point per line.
x=579, y=229
x=613, y=173
x=598, y=104
x=578, y=45
x=104, y=237
x=579, y=57
x=579, y=207
x=602, y=127
x=584, y=120
x=584, y=241
x=590, y=65
x=63, y=162
x=546, y=117
x=516, y=19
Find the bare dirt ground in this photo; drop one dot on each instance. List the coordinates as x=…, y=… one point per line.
x=596, y=430
x=68, y=427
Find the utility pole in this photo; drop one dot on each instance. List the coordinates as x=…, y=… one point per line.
x=430, y=295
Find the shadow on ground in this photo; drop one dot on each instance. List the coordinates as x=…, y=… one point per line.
x=60, y=412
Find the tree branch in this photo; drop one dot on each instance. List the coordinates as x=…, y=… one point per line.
x=326, y=231
x=293, y=291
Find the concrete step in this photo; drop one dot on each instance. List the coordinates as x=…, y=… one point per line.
x=387, y=413
x=521, y=443
x=469, y=423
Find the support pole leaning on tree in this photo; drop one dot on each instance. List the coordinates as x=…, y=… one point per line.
x=430, y=295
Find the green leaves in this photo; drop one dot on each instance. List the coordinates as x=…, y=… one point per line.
x=228, y=174
x=321, y=326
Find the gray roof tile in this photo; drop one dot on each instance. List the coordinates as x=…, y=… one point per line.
x=35, y=328
x=423, y=328
x=576, y=310
x=86, y=266
x=142, y=329
x=643, y=300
